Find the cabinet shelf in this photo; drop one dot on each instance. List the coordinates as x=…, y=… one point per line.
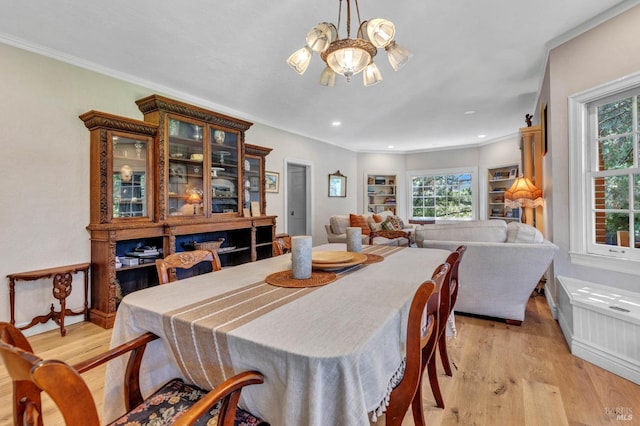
x=140, y=266
x=129, y=159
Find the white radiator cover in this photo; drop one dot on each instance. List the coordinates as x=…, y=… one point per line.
x=605, y=336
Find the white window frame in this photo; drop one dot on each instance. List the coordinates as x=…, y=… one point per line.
x=580, y=193
x=473, y=171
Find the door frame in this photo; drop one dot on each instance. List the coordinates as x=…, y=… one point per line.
x=309, y=198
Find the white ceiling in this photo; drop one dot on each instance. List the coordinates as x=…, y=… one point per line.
x=486, y=56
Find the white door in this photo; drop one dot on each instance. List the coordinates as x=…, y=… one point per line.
x=296, y=199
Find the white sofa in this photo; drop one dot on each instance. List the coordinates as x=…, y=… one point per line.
x=337, y=231
x=501, y=267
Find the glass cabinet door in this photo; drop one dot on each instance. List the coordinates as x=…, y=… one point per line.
x=186, y=168
x=225, y=173
x=130, y=176
x=253, y=183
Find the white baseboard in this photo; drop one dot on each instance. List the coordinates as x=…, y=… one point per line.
x=605, y=359
x=552, y=304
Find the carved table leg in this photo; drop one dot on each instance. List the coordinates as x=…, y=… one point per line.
x=61, y=290
x=12, y=299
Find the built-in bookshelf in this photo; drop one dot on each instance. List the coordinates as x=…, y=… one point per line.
x=381, y=193
x=499, y=180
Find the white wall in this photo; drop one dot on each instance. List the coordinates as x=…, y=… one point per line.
x=45, y=164
x=601, y=55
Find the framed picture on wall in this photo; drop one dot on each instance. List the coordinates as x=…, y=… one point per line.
x=272, y=181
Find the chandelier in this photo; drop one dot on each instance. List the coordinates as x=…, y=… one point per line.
x=348, y=56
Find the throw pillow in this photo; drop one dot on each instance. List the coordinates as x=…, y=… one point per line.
x=373, y=225
x=388, y=225
x=361, y=221
x=396, y=221
x=522, y=233
x=377, y=218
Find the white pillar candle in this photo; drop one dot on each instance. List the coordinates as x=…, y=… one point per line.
x=301, y=257
x=354, y=239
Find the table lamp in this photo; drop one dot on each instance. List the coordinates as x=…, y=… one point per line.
x=523, y=193
x=195, y=199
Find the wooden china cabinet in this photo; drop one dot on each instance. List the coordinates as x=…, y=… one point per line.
x=163, y=185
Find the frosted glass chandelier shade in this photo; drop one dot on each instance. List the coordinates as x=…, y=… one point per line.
x=348, y=60
x=380, y=32
x=300, y=60
x=321, y=36
x=398, y=56
x=328, y=77
x=371, y=75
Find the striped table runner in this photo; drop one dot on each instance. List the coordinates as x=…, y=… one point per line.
x=197, y=333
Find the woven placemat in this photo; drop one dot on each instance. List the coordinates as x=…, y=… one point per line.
x=373, y=258
x=284, y=279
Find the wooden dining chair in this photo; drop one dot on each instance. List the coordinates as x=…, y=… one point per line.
x=453, y=292
x=281, y=245
x=184, y=260
x=421, y=342
x=176, y=403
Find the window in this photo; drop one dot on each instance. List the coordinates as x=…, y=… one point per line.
x=605, y=176
x=443, y=194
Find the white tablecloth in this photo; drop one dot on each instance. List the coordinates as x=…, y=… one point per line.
x=327, y=357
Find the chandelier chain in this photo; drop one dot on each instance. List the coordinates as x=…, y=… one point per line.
x=358, y=12
x=339, y=18
x=348, y=18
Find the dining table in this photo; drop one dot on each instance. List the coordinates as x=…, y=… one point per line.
x=330, y=354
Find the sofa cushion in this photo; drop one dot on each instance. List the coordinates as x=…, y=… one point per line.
x=339, y=223
x=493, y=231
x=373, y=225
x=522, y=233
x=361, y=221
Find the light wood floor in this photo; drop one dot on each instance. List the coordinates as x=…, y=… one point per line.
x=503, y=375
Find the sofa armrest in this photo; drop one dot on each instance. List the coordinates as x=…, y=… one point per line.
x=496, y=279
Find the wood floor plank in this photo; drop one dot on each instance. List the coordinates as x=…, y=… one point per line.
x=543, y=405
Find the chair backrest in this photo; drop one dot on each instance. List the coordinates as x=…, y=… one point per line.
x=281, y=245
x=454, y=281
x=445, y=292
x=421, y=341
x=65, y=386
x=184, y=260
x=31, y=376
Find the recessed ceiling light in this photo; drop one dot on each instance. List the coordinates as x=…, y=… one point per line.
x=391, y=147
x=482, y=136
x=336, y=123
x=469, y=112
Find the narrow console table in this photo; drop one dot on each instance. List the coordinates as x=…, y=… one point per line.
x=62, y=278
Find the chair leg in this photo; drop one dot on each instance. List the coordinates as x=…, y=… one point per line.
x=416, y=406
x=433, y=380
x=396, y=411
x=444, y=356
